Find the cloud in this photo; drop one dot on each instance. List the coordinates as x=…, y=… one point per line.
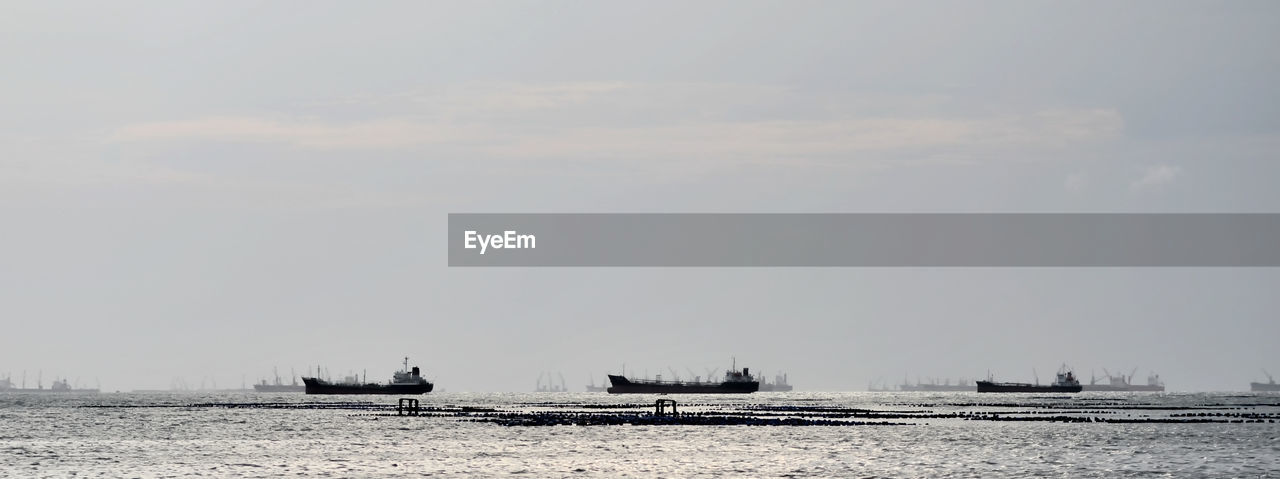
x=303, y=132
x=60, y=170
x=683, y=122
x=1156, y=176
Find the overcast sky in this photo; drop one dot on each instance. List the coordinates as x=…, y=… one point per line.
x=207, y=190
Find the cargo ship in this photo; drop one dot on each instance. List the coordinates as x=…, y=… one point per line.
x=405, y=381
x=879, y=385
x=1066, y=382
x=179, y=385
x=1268, y=387
x=735, y=382
x=961, y=384
x=279, y=387
x=592, y=388
x=1123, y=383
x=550, y=385
x=59, y=386
x=779, y=384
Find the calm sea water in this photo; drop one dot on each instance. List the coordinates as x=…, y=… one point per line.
x=273, y=435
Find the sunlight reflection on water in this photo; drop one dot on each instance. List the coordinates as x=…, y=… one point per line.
x=158, y=435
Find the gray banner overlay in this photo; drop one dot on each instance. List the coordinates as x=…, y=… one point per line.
x=867, y=240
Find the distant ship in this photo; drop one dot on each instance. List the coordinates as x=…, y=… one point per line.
x=405, y=381
x=1065, y=383
x=592, y=388
x=779, y=384
x=933, y=386
x=1268, y=387
x=278, y=387
x=179, y=385
x=59, y=386
x=550, y=385
x=878, y=385
x=735, y=382
x=1122, y=383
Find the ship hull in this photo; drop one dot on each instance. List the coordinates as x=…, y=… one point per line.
x=318, y=387
x=622, y=385
x=1264, y=387
x=993, y=387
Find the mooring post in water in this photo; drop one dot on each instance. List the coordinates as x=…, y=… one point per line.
x=661, y=405
x=407, y=405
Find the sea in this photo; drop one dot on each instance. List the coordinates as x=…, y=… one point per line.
x=793, y=434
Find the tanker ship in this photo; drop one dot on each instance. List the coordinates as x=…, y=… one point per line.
x=1066, y=382
x=1123, y=383
x=1268, y=387
x=279, y=387
x=735, y=382
x=405, y=381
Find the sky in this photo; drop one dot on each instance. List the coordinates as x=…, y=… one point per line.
x=202, y=192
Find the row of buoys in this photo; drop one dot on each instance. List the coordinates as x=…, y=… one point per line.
x=764, y=414
x=1068, y=405
x=847, y=415
x=1252, y=415
x=712, y=419
x=649, y=419
x=1114, y=420
x=251, y=405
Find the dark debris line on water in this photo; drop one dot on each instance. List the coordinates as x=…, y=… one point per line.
x=772, y=415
